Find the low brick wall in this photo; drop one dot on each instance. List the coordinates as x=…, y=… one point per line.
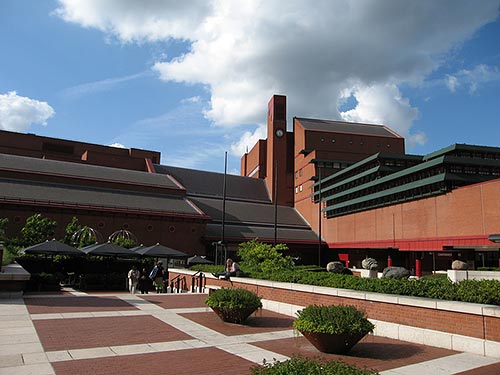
x=453, y=325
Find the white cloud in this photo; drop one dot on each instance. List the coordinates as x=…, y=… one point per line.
x=383, y=104
x=451, y=82
x=472, y=78
x=101, y=85
x=18, y=113
x=244, y=52
x=248, y=140
x=117, y=145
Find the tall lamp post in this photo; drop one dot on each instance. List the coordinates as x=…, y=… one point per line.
x=319, y=214
x=224, y=211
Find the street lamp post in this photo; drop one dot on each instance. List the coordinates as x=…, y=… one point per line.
x=319, y=214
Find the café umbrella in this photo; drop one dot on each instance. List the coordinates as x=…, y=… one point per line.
x=108, y=249
x=160, y=251
x=52, y=247
x=198, y=260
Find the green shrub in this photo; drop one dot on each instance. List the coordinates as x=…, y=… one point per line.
x=303, y=366
x=233, y=298
x=333, y=319
x=264, y=258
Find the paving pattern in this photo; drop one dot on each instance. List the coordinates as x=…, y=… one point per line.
x=77, y=333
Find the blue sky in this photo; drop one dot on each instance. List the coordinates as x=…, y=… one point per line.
x=192, y=79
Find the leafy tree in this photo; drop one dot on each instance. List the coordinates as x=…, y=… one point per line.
x=72, y=227
x=3, y=226
x=37, y=229
x=78, y=235
x=262, y=257
x=125, y=242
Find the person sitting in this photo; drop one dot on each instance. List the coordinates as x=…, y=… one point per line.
x=232, y=268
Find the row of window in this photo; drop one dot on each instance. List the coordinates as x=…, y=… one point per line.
x=407, y=195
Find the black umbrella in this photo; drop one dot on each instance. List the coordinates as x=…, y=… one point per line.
x=160, y=251
x=198, y=260
x=108, y=249
x=52, y=247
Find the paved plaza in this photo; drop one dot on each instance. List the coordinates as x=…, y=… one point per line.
x=74, y=333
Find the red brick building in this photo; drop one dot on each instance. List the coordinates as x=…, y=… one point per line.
x=376, y=201
x=110, y=189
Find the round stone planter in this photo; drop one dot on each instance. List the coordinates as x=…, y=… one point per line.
x=333, y=343
x=237, y=316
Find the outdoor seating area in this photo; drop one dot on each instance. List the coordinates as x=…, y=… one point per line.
x=179, y=334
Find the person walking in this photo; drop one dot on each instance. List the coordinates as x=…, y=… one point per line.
x=133, y=279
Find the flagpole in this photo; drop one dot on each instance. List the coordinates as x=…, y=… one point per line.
x=224, y=208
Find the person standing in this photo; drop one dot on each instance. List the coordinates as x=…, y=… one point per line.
x=133, y=279
x=157, y=276
x=144, y=282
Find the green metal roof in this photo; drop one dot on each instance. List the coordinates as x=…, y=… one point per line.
x=385, y=179
x=462, y=147
x=398, y=189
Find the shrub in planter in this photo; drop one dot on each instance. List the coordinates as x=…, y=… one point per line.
x=333, y=329
x=301, y=366
x=233, y=305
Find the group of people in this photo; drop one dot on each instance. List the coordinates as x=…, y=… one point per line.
x=145, y=281
x=158, y=277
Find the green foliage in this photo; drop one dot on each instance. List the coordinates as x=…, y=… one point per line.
x=333, y=319
x=3, y=227
x=233, y=298
x=475, y=291
x=259, y=257
x=125, y=242
x=37, y=229
x=309, y=366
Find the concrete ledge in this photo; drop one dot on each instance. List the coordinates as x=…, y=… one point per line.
x=14, y=272
x=12, y=280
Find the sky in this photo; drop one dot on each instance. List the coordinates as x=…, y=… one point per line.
x=192, y=78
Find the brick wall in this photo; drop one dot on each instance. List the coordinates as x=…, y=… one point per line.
x=473, y=322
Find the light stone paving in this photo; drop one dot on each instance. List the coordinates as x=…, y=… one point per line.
x=449, y=365
x=23, y=354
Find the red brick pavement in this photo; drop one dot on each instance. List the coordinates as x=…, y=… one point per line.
x=175, y=301
x=206, y=361
x=261, y=321
x=372, y=352
x=79, y=333
x=47, y=305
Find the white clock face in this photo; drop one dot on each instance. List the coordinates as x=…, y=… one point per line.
x=279, y=133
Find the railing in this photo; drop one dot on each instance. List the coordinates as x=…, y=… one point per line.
x=179, y=283
x=198, y=281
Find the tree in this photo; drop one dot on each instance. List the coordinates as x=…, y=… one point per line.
x=3, y=226
x=37, y=229
x=262, y=257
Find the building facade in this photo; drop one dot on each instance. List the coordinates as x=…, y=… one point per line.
x=364, y=197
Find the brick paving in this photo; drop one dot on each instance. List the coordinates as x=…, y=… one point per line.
x=372, y=352
x=260, y=321
x=47, y=305
x=59, y=334
x=177, y=334
x=206, y=361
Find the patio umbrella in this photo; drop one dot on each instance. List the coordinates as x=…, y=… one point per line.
x=160, y=251
x=52, y=247
x=198, y=260
x=108, y=249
